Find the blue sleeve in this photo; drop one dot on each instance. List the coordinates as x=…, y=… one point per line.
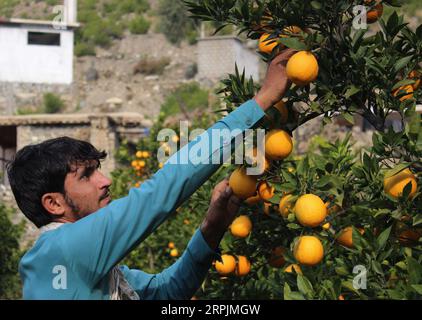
x=96, y=243
x=181, y=280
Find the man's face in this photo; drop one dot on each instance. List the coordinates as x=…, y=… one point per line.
x=86, y=190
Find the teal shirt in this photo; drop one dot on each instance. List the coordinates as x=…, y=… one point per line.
x=74, y=261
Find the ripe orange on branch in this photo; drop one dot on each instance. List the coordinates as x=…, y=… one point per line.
x=302, y=68
x=265, y=190
x=243, y=185
x=310, y=210
x=345, y=237
x=278, y=144
x=265, y=44
x=285, y=205
x=415, y=75
x=405, y=89
x=243, y=266
x=374, y=14
x=395, y=185
x=308, y=250
x=241, y=227
x=226, y=266
x=295, y=267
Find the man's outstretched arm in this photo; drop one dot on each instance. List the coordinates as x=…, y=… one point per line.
x=96, y=243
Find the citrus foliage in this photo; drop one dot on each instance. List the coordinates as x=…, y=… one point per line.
x=370, y=234
x=367, y=226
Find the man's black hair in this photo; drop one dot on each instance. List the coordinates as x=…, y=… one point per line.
x=42, y=168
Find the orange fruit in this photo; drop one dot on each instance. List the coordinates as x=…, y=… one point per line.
x=243, y=185
x=295, y=267
x=346, y=237
x=302, y=68
x=134, y=163
x=139, y=154
x=277, y=257
x=265, y=190
x=394, y=185
x=409, y=237
x=308, y=250
x=374, y=14
x=284, y=113
x=267, y=45
x=341, y=297
x=326, y=226
x=253, y=200
x=241, y=227
x=408, y=89
x=285, y=205
x=142, y=164
x=171, y=245
x=174, y=253
x=310, y=210
x=278, y=144
x=415, y=75
x=226, y=266
x=243, y=266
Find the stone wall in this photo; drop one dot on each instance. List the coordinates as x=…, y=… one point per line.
x=24, y=96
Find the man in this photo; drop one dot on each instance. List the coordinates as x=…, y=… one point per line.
x=58, y=186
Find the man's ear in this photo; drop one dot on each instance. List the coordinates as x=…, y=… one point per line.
x=54, y=203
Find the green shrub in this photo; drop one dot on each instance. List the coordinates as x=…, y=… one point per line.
x=139, y=25
x=150, y=66
x=84, y=49
x=10, y=253
x=174, y=21
x=52, y=103
x=185, y=98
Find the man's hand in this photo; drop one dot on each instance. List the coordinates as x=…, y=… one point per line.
x=276, y=82
x=223, y=209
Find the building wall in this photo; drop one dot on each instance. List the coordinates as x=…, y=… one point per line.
x=20, y=62
x=217, y=57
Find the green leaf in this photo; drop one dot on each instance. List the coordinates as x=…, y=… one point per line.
x=294, y=43
x=417, y=287
x=417, y=219
x=402, y=63
x=351, y=91
x=377, y=267
x=403, y=83
x=383, y=238
x=398, y=168
x=305, y=286
x=316, y=5
x=349, y=117
x=414, y=268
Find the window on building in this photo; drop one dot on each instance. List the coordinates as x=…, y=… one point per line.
x=43, y=38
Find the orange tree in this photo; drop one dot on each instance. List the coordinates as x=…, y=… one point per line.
x=334, y=223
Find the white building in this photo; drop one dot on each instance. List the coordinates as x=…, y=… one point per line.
x=218, y=55
x=35, y=51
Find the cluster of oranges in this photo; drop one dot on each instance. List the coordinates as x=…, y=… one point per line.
x=309, y=210
x=173, y=250
x=139, y=164
x=240, y=265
